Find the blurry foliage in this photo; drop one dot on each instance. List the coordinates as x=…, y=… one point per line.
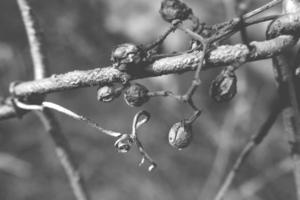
x=80, y=35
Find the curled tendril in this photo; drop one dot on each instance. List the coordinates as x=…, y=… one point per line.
x=139, y=119
x=125, y=141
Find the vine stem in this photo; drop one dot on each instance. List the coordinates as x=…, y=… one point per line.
x=51, y=124
x=49, y=105
x=291, y=116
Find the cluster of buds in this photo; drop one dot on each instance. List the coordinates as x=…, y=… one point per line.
x=171, y=10
x=224, y=86
x=135, y=94
x=127, y=56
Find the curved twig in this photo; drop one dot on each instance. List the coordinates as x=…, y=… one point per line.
x=50, y=122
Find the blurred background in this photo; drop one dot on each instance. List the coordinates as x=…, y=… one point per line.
x=80, y=35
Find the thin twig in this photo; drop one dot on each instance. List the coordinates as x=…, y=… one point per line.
x=261, y=9
x=63, y=149
x=224, y=142
x=164, y=93
x=64, y=154
x=163, y=37
x=291, y=116
x=254, y=141
x=34, y=38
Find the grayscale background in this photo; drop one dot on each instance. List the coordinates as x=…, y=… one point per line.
x=80, y=34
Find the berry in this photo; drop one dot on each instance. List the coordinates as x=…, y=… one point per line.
x=136, y=95
x=106, y=93
x=223, y=87
x=180, y=135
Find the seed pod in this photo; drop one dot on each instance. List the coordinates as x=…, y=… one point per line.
x=106, y=93
x=174, y=10
x=180, y=135
x=136, y=95
x=123, y=144
x=223, y=87
x=126, y=53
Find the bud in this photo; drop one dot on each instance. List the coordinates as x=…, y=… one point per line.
x=180, y=135
x=126, y=53
x=123, y=144
x=106, y=93
x=223, y=87
x=136, y=95
x=174, y=10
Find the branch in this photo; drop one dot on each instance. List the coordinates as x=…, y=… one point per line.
x=50, y=122
x=254, y=141
x=287, y=89
x=291, y=116
x=64, y=153
x=35, y=39
x=221, y=56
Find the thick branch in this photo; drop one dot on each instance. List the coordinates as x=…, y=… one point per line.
x=221, y=56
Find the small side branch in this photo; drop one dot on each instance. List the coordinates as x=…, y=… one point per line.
x=261, y=9
x=254, y=141
x=35, y=39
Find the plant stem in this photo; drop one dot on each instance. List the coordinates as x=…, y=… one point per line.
x=63, y=151
x=254, y=141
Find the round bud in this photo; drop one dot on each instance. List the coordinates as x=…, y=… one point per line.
x=174, y=10
x=106, y=93
x=126, y=53
x=223, y=87
x=123, y=144
x=180, y=135
x=136, y=95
